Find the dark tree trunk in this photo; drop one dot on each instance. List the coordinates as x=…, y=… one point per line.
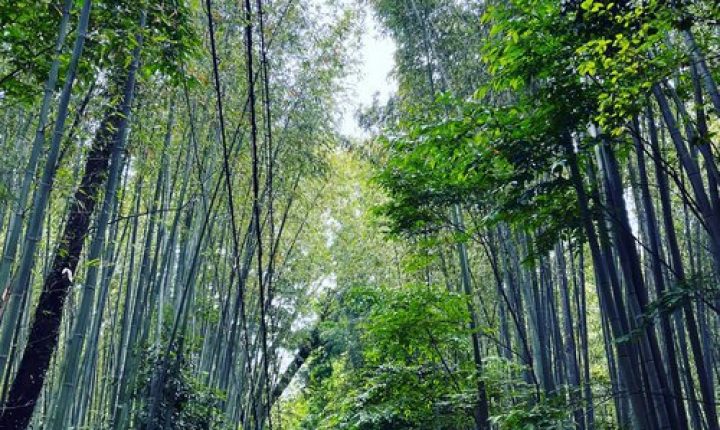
x=302, y=354
x=581, y=306
x=481, y=410
x=676, y=257
x=656, y=264
x=629, y=376
x=573, y=372
x=45, y=328
x=637, y=292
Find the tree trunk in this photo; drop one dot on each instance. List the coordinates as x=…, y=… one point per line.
x=573, y=372
x=627, y=369
x=705, y=384
x=656, y=264
x=481, y=410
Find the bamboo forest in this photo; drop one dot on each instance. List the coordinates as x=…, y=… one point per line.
x=360, y=214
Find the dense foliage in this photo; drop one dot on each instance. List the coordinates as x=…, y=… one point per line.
x=528, y=237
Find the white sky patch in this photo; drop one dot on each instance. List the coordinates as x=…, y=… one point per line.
x=372, y=76
x=632, y=212
x=332, y=227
